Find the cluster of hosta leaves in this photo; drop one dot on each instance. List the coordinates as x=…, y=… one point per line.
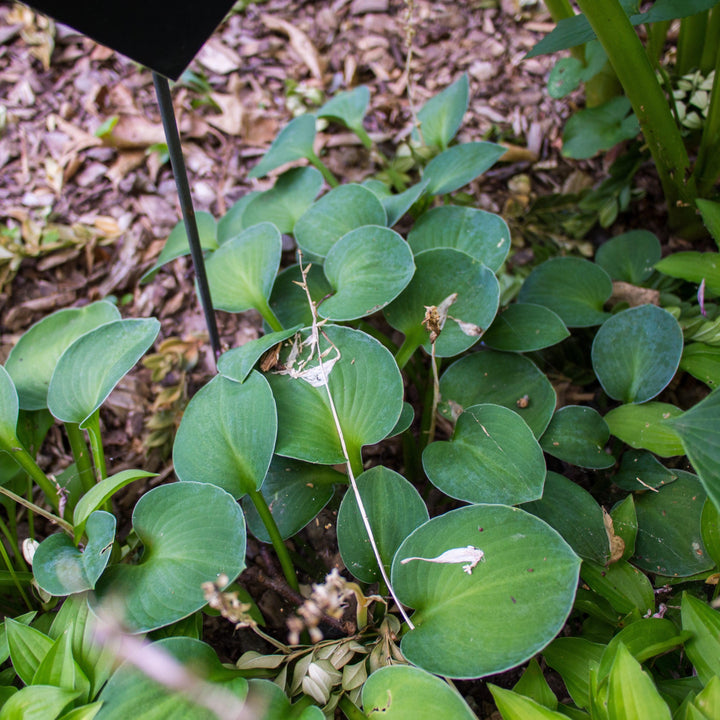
x=491, y=579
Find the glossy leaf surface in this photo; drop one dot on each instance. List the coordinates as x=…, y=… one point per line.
x=645, y=427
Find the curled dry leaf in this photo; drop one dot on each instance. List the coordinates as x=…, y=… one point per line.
x=617, y=544
x=300, y=42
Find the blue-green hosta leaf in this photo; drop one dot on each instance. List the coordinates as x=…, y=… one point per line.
x=349, y=108
x=574, y=288
x=100, y=493
x=403, y=692
x=286, y=201
x=367, y=390
x=232, y=222
x=295, y=493
x=289, y=302
x=523, y=327
x=589, y=131
x=94, y=364
x=439, y=274
x=641, y=470
x=294, y=142
x=343, y=209
x=504, y=379
x=441, y=116
x=646, y=427
x=178, y=244
x=394, y=508
x=482, y=235
x=630, y=257
x=493, y=457
x=227, y=435
x=192, y=533
x=575, y=514
x=699, y=431
x=636, y=353
x=241, y=273
x=367, y=268
x=60, y=568
x=460, y=164
x=32, y=361
x=8, y=412
x=397, y=205
x=237, y=364
x=669, y=540
x=475, y=621
x=578, y=435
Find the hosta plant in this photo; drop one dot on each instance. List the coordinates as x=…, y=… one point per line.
x=490, y=510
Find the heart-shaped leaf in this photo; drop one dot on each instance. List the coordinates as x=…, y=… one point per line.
x=574, y=288
x=227, y=435
x=493, y=457
x=61, y=569
x=32, y=361
x=578, y=435
x=367, y=390
x=343, y=209
x=441, y=116
x=367, y=268
x=498, y=378
x=630, y=257
x=523, y=327
x=8, y=412
x=286, y=201
x=460, y=164
x=693, y=267
x=293, y=142
x=94, y=364
x=237, y=364
x=636, y=353
x=669, y=540
x=178, y=244
x=100, y=493
x=482, y=235
x=403, y=692
x=646, y=427
x=192, y=533
x=349, y=108
x=439, y=274
x=289, y=302
x=699, y=431
x=242, y=271
x=475, y=621
x=394, y=508
x=575, y=514
x=295, y=493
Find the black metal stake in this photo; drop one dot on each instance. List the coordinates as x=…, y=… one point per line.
x=162, y=90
